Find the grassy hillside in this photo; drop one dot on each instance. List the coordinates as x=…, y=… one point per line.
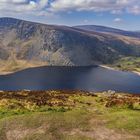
x=12, y=65
x=69, y=115
x=128, y=64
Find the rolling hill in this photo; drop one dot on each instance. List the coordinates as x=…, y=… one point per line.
x=103, y=29
x=26, y=44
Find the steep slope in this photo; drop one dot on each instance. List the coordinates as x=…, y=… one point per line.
x=40, y=44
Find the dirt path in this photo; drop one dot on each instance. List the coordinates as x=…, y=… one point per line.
x=102, y=133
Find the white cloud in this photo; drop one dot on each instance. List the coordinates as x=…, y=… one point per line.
x=22, y=5
x=13, y=1
x=113, y=6
x=134, y=9
x=42, y=7
x=86, y=21
x=118, y=20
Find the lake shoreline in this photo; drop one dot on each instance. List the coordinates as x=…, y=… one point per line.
x=49, y=66
x=103, y=66
x=89, y=78
x=112, y=68
x=138, y=73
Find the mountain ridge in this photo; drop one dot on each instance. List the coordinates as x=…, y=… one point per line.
x=31, y=43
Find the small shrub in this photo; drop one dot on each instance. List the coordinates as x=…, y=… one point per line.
x=136, y=106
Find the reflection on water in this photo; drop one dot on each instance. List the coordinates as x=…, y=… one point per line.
x=89, y=78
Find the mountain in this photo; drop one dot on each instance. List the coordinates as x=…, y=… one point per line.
x=103, y=29
x=25, y=44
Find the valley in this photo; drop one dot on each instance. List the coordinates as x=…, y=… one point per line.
x=69, y=69
x=68, y=83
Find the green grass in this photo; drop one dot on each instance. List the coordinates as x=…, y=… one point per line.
x=56, y=123
x=128, y=64
x=80, y=117
x=124, y=119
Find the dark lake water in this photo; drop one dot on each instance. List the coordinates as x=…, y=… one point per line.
x=89, y=78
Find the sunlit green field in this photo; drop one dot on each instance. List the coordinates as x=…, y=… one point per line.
x=128, y=64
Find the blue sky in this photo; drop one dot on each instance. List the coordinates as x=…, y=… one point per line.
x=123, y=14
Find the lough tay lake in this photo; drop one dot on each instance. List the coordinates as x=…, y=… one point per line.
x=89, y=78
